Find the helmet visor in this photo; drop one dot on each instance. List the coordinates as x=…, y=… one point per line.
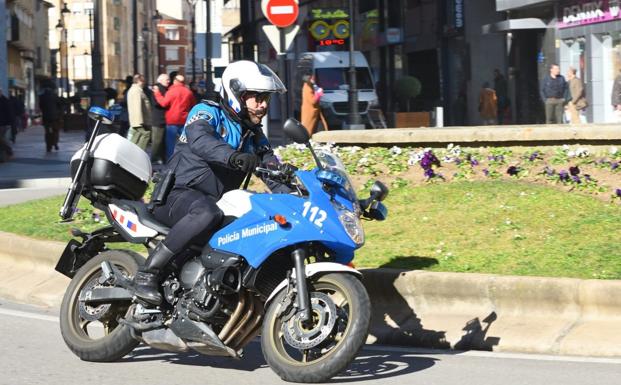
x=268, y=81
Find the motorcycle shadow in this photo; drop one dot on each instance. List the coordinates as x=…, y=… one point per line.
x=375, y=367
x=368, y=366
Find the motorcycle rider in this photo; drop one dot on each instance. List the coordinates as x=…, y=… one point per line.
x=220, y=144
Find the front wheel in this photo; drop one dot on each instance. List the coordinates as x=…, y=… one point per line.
x=320, y=350
x=94, y=333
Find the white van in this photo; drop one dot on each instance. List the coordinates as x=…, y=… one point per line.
x=331, y=70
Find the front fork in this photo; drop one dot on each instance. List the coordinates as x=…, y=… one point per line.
x=303, y=296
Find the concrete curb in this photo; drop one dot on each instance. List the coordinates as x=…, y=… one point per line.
x=35, y=183
x=476, y=136
x=414, y=308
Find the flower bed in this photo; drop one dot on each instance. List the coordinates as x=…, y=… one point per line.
x=571, y=168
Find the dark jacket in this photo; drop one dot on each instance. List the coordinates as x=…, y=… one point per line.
x=6, y=111
x=158, y=113
x=553, y=88
x=50, y=105
x=202, y=155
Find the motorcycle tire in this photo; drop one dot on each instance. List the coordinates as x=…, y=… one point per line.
x=336, y=351
x=117, y=340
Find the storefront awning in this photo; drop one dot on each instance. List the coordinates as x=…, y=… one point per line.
x=513, y=25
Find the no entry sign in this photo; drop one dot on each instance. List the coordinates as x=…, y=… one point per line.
x=281, y=13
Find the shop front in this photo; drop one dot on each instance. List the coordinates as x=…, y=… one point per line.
x=589, y=39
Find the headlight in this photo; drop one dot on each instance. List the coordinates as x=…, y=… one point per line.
x=353, y=226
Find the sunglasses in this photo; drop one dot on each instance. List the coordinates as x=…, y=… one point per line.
x=260, y=97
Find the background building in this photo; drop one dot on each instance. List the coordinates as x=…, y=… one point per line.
x=23, y=44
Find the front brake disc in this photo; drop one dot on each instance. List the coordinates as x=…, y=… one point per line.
x=324, y=315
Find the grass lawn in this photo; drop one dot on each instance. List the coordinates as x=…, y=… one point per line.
x=490, y=226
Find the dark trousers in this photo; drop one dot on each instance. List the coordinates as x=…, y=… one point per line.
x=5, y=148
x=52, y=130
x=157, y=143
x=192, y=216
x=554, y=110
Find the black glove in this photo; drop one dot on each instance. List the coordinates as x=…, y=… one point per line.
x=244, y=161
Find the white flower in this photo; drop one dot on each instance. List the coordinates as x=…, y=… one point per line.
x=565, y=148
x=571, y=154
x=363, y=161
x=582, y=152
x=412, y=161
x=353, y=149
x=454, y=150
x=396, y=150
x=613, y=150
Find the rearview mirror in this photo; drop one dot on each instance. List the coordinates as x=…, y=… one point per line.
x=296, y=131
x=379, y=191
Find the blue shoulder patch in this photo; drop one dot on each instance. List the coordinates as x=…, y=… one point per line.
x=201, y=111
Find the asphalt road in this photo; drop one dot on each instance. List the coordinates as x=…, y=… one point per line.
x=33, y=352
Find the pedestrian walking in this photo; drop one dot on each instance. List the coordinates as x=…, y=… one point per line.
x=500, y=86
x=51, y=113
x=553, y=91
x=6, y=119
x=578, y=103
x=616, y=98
x=311, y=109
x=178, y=102
x=18, y=113
x=139, y=111
x=158, y=121
x=488, y=105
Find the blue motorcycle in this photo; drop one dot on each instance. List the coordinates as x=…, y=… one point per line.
x=279, y=265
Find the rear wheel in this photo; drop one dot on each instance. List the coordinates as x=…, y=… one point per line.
x=320, y=350
x=93, y=333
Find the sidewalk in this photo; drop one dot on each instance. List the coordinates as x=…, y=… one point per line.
x=32, y=166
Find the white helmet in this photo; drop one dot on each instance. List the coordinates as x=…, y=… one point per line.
x=245, y=75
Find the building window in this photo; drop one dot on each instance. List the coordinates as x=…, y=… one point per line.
x=172, y=53
x=172, y=33
x=117, y=23
x=117, y=48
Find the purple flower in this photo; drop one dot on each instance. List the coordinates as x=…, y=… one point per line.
x=429, y=173
x=587, y=177
x=474, y=162
x=563, y=176
x=618, y=192
x=574, y=170
x=576, y=178
x=457, y=161
x=549, y=171
x=486, y=172
x=533, y=156
x=513, y=170
x=614, y=165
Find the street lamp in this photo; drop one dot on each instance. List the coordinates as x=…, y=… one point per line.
x=145, y=39
x=64, y=64
x=156, y=19
x=73, y=47
x=192, y=4
x=353, y=119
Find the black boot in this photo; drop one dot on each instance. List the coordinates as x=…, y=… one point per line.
x=146, y=280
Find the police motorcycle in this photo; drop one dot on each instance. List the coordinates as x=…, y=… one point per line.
x=279, y=265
